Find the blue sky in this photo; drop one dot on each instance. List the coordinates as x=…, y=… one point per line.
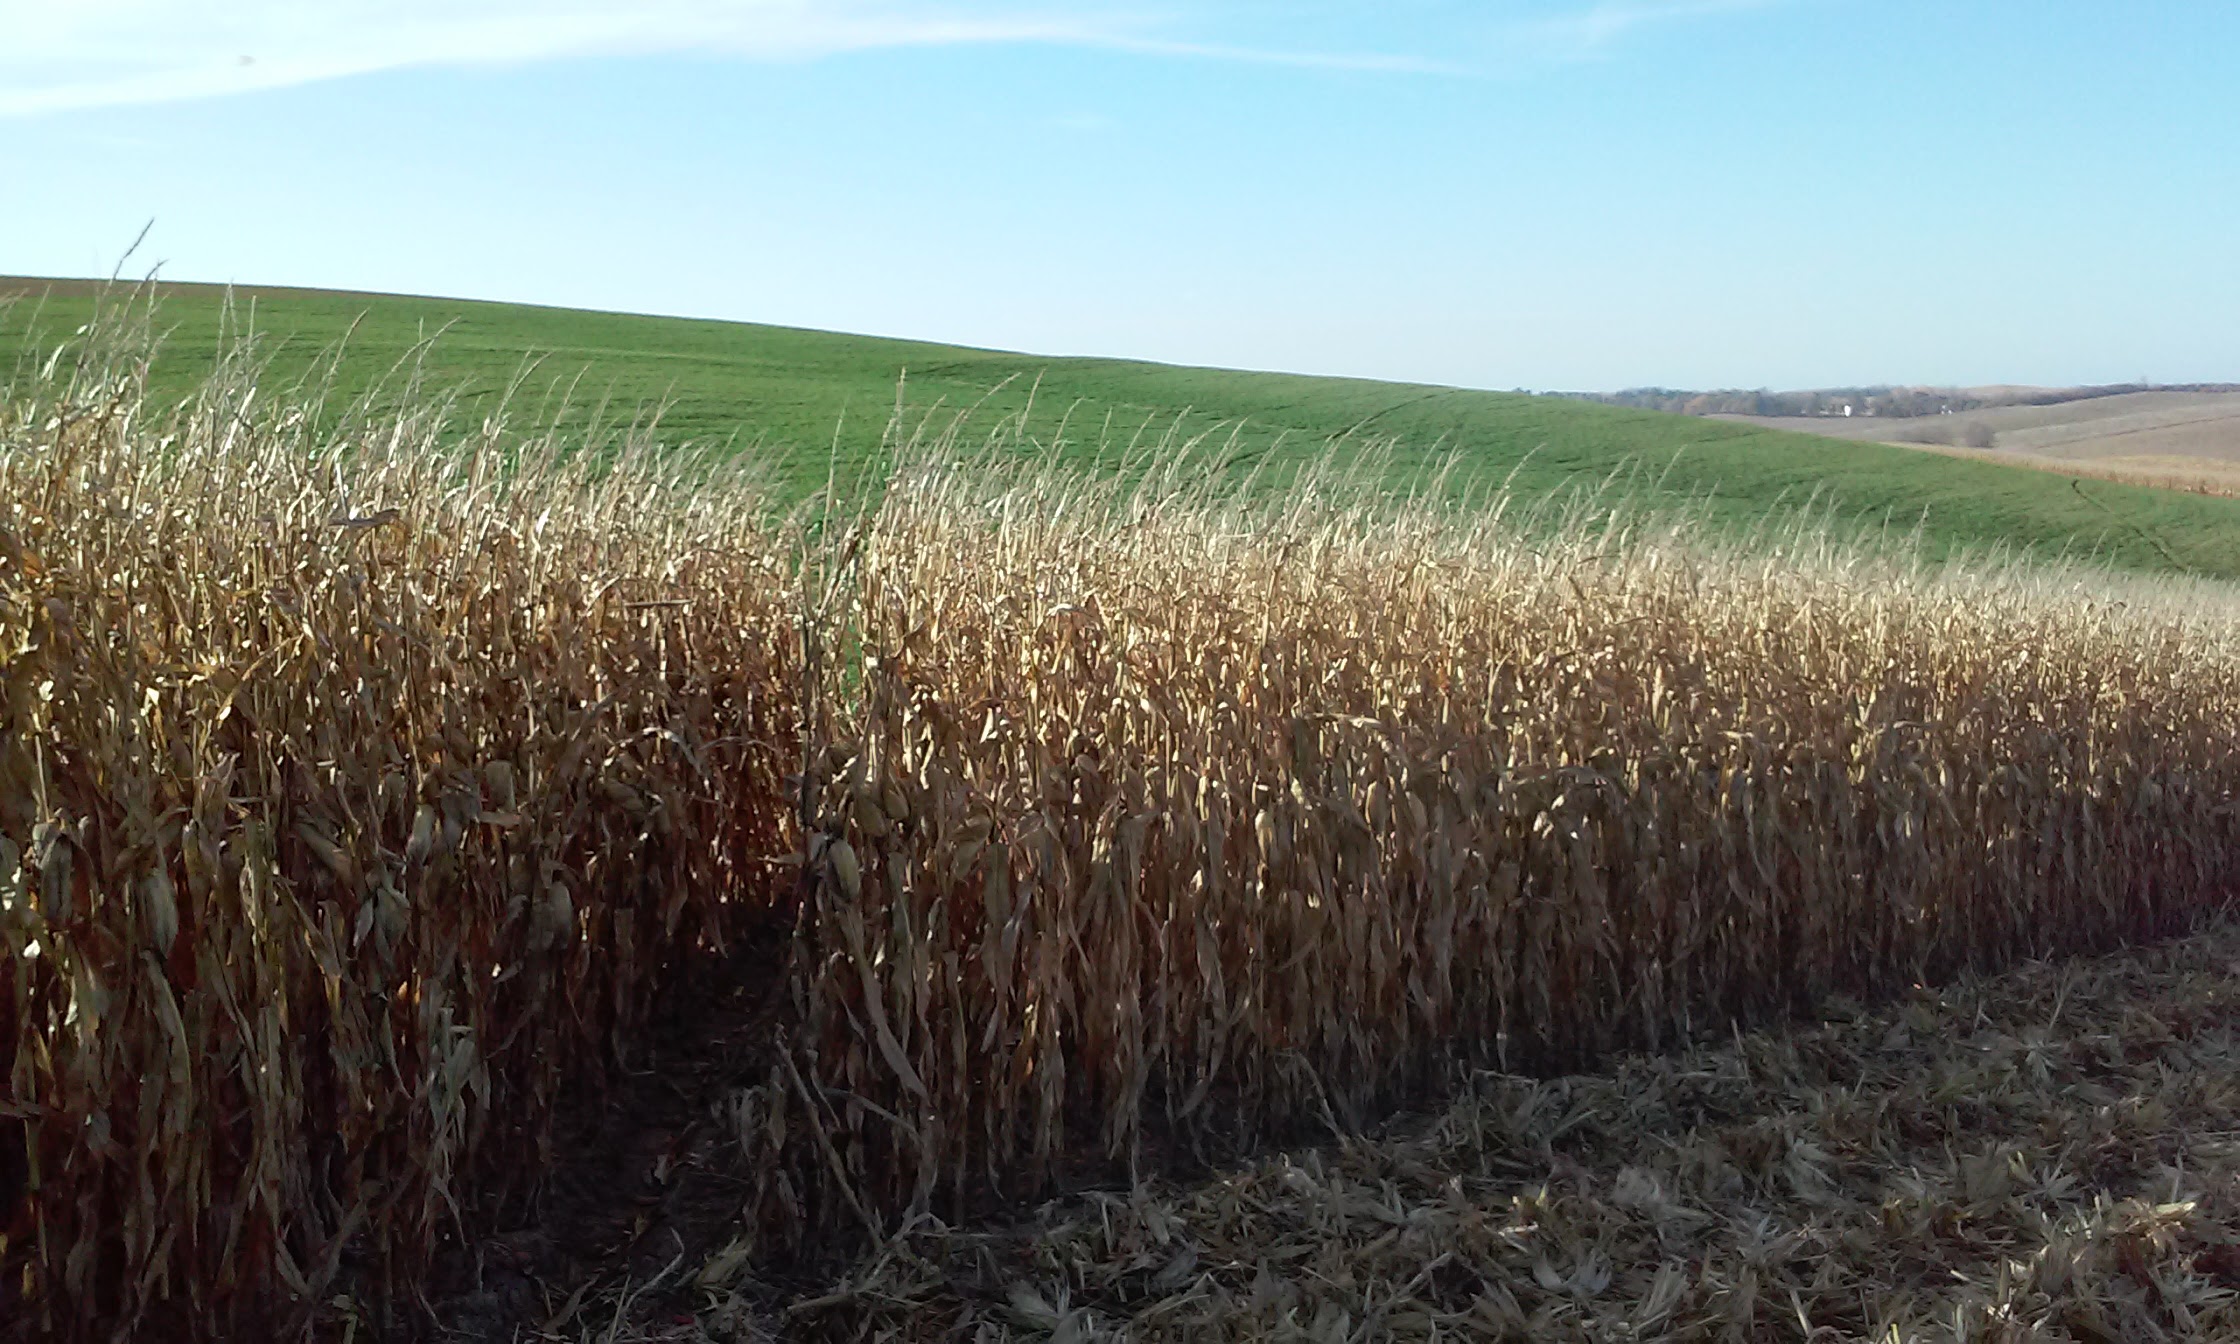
x=1546, y=193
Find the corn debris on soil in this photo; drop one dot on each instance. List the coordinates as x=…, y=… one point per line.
x=2048, y=1155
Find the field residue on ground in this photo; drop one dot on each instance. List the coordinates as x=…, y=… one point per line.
x=2051, y=1154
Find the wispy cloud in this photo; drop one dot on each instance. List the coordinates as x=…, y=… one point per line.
x=59, y=55
x=1366, y=61
x=1600, y=27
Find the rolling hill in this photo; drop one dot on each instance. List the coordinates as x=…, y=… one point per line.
x=808, y=401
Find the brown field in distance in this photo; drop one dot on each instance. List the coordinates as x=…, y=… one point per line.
x=2173, y=440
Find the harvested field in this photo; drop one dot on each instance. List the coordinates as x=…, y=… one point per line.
x=2142, y=424
x=371, y=796
x=2190, y=475
x=2084, y=421
x=2050, y=1154
x=2187, y=441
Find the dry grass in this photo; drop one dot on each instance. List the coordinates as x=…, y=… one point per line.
x=366, y=789
x=2052, y=1154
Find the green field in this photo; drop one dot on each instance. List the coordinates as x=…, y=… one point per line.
x=794, y=397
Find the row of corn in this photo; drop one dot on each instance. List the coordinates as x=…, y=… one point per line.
x=357, y=797
x=1176, y=825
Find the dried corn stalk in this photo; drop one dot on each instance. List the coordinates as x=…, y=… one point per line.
x=357, y=792
x=1181, y=819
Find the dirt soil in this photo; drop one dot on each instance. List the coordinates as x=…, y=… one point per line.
x=2048, y=1154
x=646, y=1191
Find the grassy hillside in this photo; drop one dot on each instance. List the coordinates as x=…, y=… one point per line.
x=794, y=396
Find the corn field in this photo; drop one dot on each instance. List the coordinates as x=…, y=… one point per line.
x=1184, y=824
x=369, y=780
x=354, y=791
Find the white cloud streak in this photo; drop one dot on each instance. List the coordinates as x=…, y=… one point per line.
x=96, y=53
x=64, y=55
x=1368, y=62
x=1595, y=30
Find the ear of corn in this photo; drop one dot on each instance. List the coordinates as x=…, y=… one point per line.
x=362, y=788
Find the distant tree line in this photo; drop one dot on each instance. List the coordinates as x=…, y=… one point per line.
x=1901, y=402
